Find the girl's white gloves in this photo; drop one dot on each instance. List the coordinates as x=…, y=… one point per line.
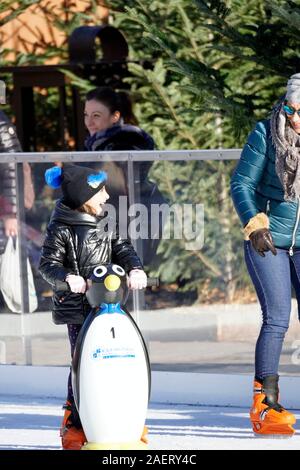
x=137, y=279
x=77, y=283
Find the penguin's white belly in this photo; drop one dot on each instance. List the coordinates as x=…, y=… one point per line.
x=113, y=381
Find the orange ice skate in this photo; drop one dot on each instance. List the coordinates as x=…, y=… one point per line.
x=268, y=417
x=72, y=437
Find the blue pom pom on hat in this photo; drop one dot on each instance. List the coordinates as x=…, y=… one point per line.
x=78, y=183
x=53, y=177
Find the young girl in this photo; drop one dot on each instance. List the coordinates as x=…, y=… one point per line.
x=75, y=244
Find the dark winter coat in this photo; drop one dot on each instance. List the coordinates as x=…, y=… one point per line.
x=8, y=143
x=76, y=243
x=255, y=187
x=122, y=137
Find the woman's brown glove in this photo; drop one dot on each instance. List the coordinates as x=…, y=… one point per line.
x=262, y=241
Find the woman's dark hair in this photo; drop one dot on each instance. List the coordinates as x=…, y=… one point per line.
x=114, y=101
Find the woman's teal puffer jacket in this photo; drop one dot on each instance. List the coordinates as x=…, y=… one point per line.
x=255, y=187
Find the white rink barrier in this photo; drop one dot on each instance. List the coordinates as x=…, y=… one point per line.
x=167, y=387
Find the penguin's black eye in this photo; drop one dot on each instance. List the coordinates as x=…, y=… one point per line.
x=100, y=271
x=118, y=270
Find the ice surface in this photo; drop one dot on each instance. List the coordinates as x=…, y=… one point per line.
x=30, y=423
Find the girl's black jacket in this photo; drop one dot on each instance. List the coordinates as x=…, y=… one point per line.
x=76, y=243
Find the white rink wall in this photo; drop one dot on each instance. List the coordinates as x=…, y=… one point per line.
x=167, y=387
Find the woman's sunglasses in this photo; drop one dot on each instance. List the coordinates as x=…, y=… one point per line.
x=290, y=111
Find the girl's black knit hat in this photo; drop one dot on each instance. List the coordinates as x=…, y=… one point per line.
x=78, y=183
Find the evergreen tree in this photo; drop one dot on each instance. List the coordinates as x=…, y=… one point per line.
x=214, y=68
x=219, y=67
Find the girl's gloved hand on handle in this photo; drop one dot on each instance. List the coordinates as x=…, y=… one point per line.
x=77, y=283
x=137, y=279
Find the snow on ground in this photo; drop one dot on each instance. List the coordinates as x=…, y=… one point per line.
x=27, y=423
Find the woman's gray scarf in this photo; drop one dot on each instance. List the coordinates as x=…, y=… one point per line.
x=287, y=146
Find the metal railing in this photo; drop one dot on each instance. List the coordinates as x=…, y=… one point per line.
x=134, y=156
x=133, y=184
x=130, y=157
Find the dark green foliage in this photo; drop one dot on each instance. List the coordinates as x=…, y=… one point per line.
x=219, y=67
x=214, y=69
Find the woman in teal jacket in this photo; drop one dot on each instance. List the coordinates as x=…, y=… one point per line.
x=265, y=188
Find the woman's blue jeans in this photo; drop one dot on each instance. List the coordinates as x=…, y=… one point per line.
x=273, y=278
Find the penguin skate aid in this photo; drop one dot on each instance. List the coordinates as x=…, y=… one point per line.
x=78, y=248
x=110, y=368
x=265, y=189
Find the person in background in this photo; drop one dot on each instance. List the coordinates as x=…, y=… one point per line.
x=112, y=126
x=111, y=123
x=9, y=143
x=265, y=188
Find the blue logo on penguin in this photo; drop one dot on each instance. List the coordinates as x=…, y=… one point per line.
x=96, y=353
x=112, y=353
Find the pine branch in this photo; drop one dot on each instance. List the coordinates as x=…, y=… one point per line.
x=280, y=65
x=78, y=82
x=289, y=14
x=218, y=24
x=190, y=34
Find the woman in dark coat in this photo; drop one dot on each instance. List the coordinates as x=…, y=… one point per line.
x=112, y=126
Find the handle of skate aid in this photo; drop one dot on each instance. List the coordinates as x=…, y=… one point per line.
x=64, y=286
x=61, y=285
x=152, y=282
